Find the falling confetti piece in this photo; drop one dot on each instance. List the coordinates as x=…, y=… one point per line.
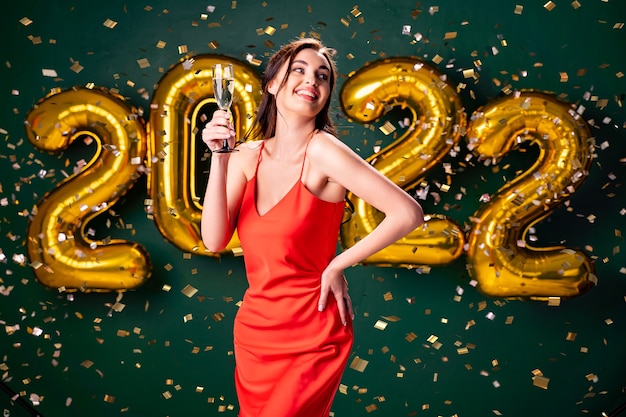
x=110, y=23
x=541, y=382
x=49, y=73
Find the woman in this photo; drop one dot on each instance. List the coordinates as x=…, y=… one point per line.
x=285, y=195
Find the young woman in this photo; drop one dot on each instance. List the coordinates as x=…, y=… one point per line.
x=285, y=196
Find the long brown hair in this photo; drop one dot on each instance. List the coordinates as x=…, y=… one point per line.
x=264, y=125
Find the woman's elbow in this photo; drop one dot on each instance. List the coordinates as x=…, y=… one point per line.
x=212, y=244
x=414, y=215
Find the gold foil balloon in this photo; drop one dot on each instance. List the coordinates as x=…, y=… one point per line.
x=178, y=107
x=503, y=264
x=61, y=252
x=438, y=120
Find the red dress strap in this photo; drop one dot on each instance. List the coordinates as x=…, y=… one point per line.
x=306, y=148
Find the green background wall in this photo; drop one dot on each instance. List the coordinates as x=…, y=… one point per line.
x=147, y=360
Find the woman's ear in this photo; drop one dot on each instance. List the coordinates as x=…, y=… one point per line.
x=272, y=88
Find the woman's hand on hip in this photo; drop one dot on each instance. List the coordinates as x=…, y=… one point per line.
x=334, y=284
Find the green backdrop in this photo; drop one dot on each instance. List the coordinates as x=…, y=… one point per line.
x=166, y=354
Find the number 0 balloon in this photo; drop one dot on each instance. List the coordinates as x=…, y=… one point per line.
x=181, y=94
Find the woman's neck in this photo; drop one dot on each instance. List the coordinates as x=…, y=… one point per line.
x=292, y=134
x=290, y=142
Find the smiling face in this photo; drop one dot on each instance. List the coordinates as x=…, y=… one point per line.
x=302, y=75
x=304, y=87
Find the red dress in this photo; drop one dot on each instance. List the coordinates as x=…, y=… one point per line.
x=289, y=356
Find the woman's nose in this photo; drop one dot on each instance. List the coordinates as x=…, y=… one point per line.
x=311, y=79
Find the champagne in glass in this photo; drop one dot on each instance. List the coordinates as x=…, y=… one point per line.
x=224, y=88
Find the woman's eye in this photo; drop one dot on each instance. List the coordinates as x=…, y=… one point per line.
x=297, y=69
x=322, y=76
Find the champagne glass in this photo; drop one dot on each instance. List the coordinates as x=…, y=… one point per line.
x=223, y=88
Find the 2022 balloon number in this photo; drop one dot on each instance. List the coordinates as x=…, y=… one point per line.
x=64, y=255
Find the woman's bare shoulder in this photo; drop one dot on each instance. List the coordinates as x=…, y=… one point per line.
x=244, y=159
x=251, y=145
x=325, y=144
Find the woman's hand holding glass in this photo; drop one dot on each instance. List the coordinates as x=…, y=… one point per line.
x=223, y=90
x=218, y=130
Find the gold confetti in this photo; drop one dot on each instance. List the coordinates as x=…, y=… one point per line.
x=143, y=63
x=49, y=73
x=76, y=67
x=358, y=364
x=189, y=291
x=387, y=128
x=468, y=73
x=371, y=407
x=380, y=325
x=109, y=398
x=554, y=301
x=541, y=382
x=118, y=307
x=549, y=6
x=110, y=23
x=25, y=21
x=450, y=35
x=518, y=9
